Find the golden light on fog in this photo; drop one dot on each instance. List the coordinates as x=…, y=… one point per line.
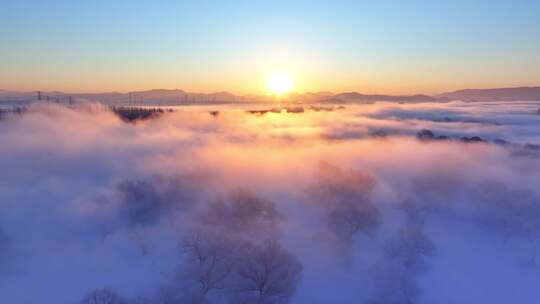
x=280, y=82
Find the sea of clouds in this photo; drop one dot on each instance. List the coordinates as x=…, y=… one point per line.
x=220, y=205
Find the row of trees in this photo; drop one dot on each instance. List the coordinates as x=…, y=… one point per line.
x=219, y=270
x=231, y=254
x=134, y=114
x=15, y=110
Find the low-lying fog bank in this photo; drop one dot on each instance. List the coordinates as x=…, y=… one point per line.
x=381, y=203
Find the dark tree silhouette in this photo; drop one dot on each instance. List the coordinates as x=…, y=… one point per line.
x=267, y=274
x=425, y=134
x=135, y=114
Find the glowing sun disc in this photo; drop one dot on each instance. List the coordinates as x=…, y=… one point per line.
x=280, y=83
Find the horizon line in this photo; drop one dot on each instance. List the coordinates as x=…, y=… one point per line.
x=266, y=94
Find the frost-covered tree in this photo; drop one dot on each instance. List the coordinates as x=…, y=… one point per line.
x=243, y=212
x=404, y=259
x=217, y=268
x=209, y=259
x=344, y=197
x=225, y=260
x=145, y=202
x=266, y=274
x=346, y=220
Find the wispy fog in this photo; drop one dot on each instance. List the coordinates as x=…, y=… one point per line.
x=381, y=203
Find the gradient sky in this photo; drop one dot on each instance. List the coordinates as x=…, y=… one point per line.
x=368, y=46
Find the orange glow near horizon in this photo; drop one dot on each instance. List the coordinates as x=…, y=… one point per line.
x=253, y=79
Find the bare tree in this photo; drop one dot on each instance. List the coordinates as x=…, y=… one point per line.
x=332, y=181
x=348, y=219
x=144, y=202
x=243, y=212
x=345, y=198
x=219, y=267
x=267, y=274
x=209, y=260
x=224, y=258
x=404, y=259
x=104, y=295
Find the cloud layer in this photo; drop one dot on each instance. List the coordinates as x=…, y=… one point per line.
x=344, y=206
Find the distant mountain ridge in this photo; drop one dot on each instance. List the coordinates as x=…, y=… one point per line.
x=355, y=96
x=178, y=97
x=497, y=94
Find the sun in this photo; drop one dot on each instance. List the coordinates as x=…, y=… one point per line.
x=280, y=82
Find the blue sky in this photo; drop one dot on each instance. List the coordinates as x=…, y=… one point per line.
x=369, y=46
